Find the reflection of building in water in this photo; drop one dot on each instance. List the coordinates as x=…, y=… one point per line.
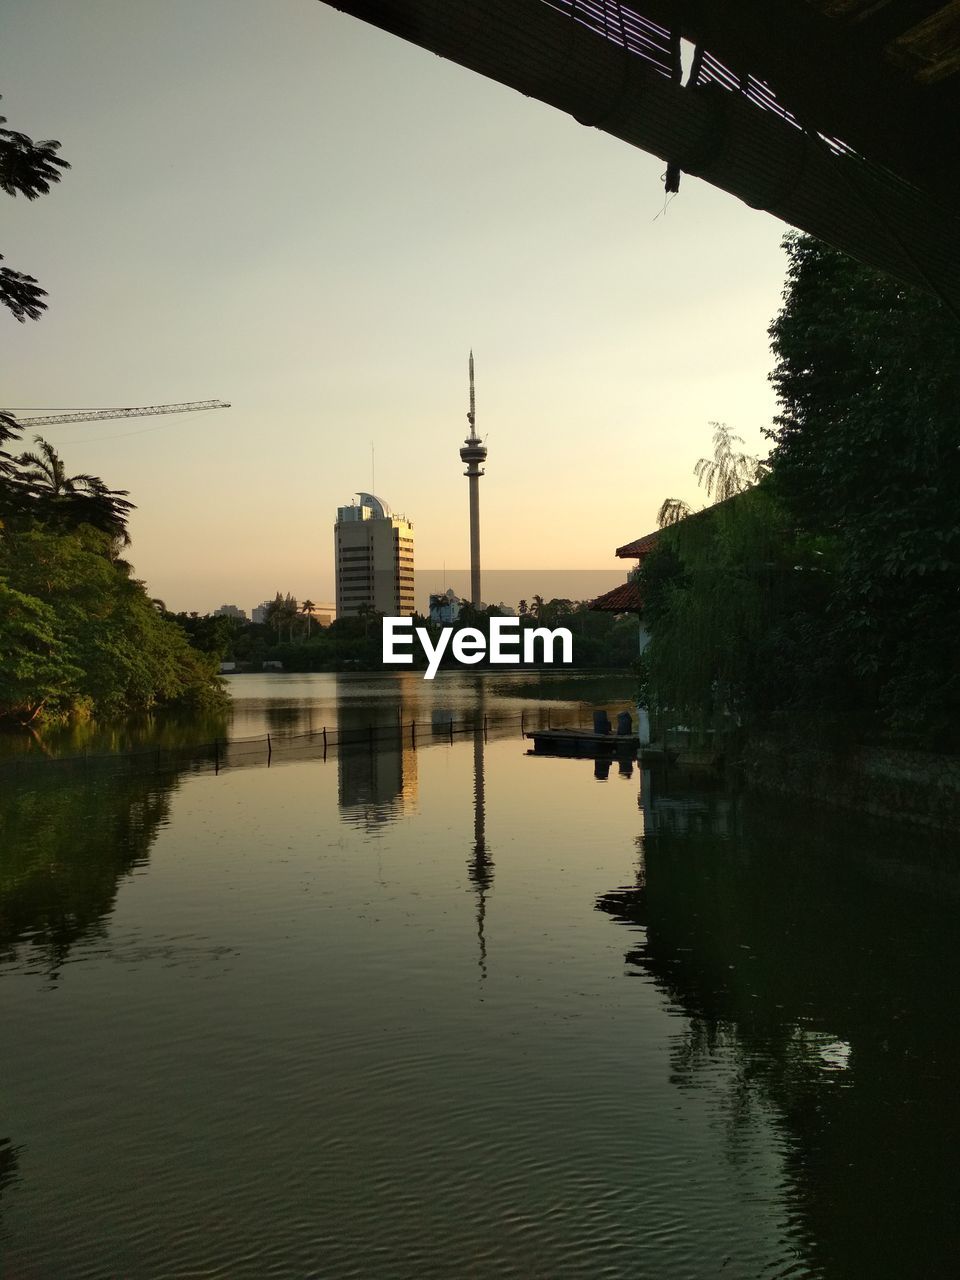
x=480, y=865
x=376, y=760
x=376, y=783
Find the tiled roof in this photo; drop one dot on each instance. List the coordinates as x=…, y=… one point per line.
x=622, y=599
x=636, y=550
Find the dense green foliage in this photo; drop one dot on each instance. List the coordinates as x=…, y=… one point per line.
x=827, y=599
x=78, y=633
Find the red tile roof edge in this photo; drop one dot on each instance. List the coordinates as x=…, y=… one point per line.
x=639, y=547
x=623, y=599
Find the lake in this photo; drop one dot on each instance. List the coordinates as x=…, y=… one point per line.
x=425, y=1005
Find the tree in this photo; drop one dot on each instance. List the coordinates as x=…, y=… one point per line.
x=80, y=634
x=307, y=609
x=33, y=670
x=727, y=472
x=723, y=476
x=826, y=597
x=72, y=500
x=29, y=169
x=672, y=511
x=866, y=462
x=282, y=612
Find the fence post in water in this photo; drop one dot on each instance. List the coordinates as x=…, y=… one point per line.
x=521, y=723
x=484, y=728
x=216, y=755
x=451, y=728
x=269, y=749
x=413, y=733
x=324, y=739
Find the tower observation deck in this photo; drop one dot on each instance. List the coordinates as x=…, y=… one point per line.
x=474, y=454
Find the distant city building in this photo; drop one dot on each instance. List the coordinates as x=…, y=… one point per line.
x=259, y=614
x=230, y=611
x=373, y=556
x=322, y=614
x=444, y=608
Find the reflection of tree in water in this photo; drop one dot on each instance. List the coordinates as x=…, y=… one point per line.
x=166, y=732
x=8, y=1169
x=66, y=840
x=817, y=958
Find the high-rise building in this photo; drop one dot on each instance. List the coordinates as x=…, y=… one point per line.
x=373, y=557
x=230, y=611
x=474, y=454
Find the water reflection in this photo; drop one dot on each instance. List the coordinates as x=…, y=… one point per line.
x=480, y=863
x=66, y=842
x=798, y=947
x=377, y=757
x=9, y=1160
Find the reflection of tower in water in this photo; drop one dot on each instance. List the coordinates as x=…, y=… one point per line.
x=480, y=865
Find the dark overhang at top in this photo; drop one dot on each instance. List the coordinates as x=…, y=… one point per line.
x=838, y=116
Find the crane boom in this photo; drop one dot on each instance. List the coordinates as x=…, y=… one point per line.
x=141, y=411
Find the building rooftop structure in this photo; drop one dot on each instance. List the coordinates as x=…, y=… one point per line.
x=837, y=116
x=626, y=598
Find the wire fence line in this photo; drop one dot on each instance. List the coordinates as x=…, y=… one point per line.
x=274, y=747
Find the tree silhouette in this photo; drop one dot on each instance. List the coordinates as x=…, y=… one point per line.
x=727, y=473
x=307, y=609
x=29, y=169
x=72, y=500
x=723, y=476
x=281, y=611
x=672, y=511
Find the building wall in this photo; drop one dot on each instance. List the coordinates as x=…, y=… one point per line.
x=374, y=566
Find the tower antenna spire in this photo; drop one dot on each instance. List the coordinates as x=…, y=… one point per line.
x=474, y=454
x=472, y=415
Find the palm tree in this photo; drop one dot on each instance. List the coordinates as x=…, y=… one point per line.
x=307, y=609
x=80, y=499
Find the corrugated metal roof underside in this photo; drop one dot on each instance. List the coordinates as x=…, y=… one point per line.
x=886, y=194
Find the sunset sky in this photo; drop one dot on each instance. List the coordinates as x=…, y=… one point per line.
x=279, y=206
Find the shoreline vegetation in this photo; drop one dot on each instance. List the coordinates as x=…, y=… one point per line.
x=817, y=601
x=79, y=635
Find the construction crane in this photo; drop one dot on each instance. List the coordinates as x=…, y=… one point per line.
x=93, y=415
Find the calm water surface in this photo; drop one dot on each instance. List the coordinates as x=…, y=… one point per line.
x=450, y=1010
